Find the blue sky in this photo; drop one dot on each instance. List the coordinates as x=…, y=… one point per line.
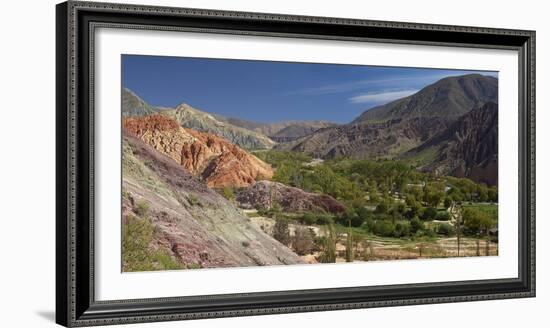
x=265, y=91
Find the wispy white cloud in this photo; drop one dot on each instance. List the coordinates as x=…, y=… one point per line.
x=403, y=81
x=361, y=84
x=381, y=97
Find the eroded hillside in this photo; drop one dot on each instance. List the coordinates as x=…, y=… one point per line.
x=193, y=225
x=217, y=161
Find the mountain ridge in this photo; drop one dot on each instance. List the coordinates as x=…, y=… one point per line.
x=394, y=128
x=217, y=161
x=449, y=97
x=133, y=105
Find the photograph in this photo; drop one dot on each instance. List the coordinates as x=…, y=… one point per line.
x=239, y=163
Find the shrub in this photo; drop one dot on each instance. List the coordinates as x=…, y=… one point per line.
x=430, y=232
x=193, y=266
x=193, y=200
x=400, y=208
x=381, y=208
x=323, y=219
x=363, y=213
x=350, y=217
x=443, y=216
x=445, y=229
x=245, y=243
x=429, y=214
x=302, y=242
x=281, y=232
x=416, y=225
x=137, y=234
x=384, y=228
x=141, y=208
x=308, y=218
x=402, y=229
x=228, y=193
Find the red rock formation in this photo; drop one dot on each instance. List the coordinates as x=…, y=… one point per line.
x=219, y=162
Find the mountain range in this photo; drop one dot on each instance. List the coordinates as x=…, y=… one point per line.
x=409, y=125
x=246, y=134
x=423, y=127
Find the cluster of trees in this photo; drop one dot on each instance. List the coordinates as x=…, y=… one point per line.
x=386, y=198
x=397, y=220
x=353, y=181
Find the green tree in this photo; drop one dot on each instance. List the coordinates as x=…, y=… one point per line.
x=481, y=222
x=492, y=194
x=447, y=202
x=428, y=214
x=414, y=210
x=416, y=225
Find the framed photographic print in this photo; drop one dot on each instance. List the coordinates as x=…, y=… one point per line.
x=214, y=163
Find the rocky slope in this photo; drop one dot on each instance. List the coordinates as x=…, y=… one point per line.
x=193, y=224
x=390, y=130
x=468, y=148
x=280, y=131
x=195, y=119
x=264, y=194
x=217, y=161
x=132, y=105
x=367, y=140
x=449, y=97
x=295, y=130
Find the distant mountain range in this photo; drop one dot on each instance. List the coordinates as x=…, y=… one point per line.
x=247, y=134
x=192, y=118
x=449, y=127
x=280, y=131
x=401, y=126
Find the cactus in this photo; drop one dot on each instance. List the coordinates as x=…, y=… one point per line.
x=349, y=245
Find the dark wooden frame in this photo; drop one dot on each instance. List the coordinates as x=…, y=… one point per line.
x=76, y=23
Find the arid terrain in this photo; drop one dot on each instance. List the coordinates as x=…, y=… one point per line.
x=415, y=178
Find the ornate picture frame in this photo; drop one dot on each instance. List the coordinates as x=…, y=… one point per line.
x=77, y=23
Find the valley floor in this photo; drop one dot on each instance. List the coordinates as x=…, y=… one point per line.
x=377, y=248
